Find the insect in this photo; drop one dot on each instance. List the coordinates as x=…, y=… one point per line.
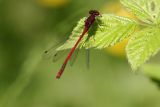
x=88, y=23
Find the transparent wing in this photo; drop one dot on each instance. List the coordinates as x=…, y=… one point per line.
x=53, y=54
x=51, y=51
x=74, y=57
x=88, y=58
x=58, y=55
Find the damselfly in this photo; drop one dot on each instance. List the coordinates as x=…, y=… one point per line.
x=87, y=24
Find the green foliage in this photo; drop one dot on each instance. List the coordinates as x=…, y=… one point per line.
x=142, y=45
x=152, y=70
x=111, y=29
x=146, y=42
x=146, y=10
x=106, y=31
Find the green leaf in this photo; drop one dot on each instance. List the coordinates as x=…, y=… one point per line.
x=142, y=46
x=147, y=11
x=152, y=70
x=106, y=31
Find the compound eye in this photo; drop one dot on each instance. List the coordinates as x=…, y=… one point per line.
x=91, y=12
x=95, y=12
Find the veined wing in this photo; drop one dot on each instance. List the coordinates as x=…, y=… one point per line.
x=88, y=58
x=53, y=54
x=74, y=57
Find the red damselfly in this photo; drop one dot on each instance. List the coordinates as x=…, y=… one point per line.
x=87, y=24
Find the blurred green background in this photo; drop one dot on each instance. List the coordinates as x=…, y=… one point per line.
x=28, y=27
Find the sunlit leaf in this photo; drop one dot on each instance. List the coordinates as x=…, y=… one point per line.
x=106, y=31
x=147, y=11
x=142, y=46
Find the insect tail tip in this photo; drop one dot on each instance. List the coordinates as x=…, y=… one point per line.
x=58, y=75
